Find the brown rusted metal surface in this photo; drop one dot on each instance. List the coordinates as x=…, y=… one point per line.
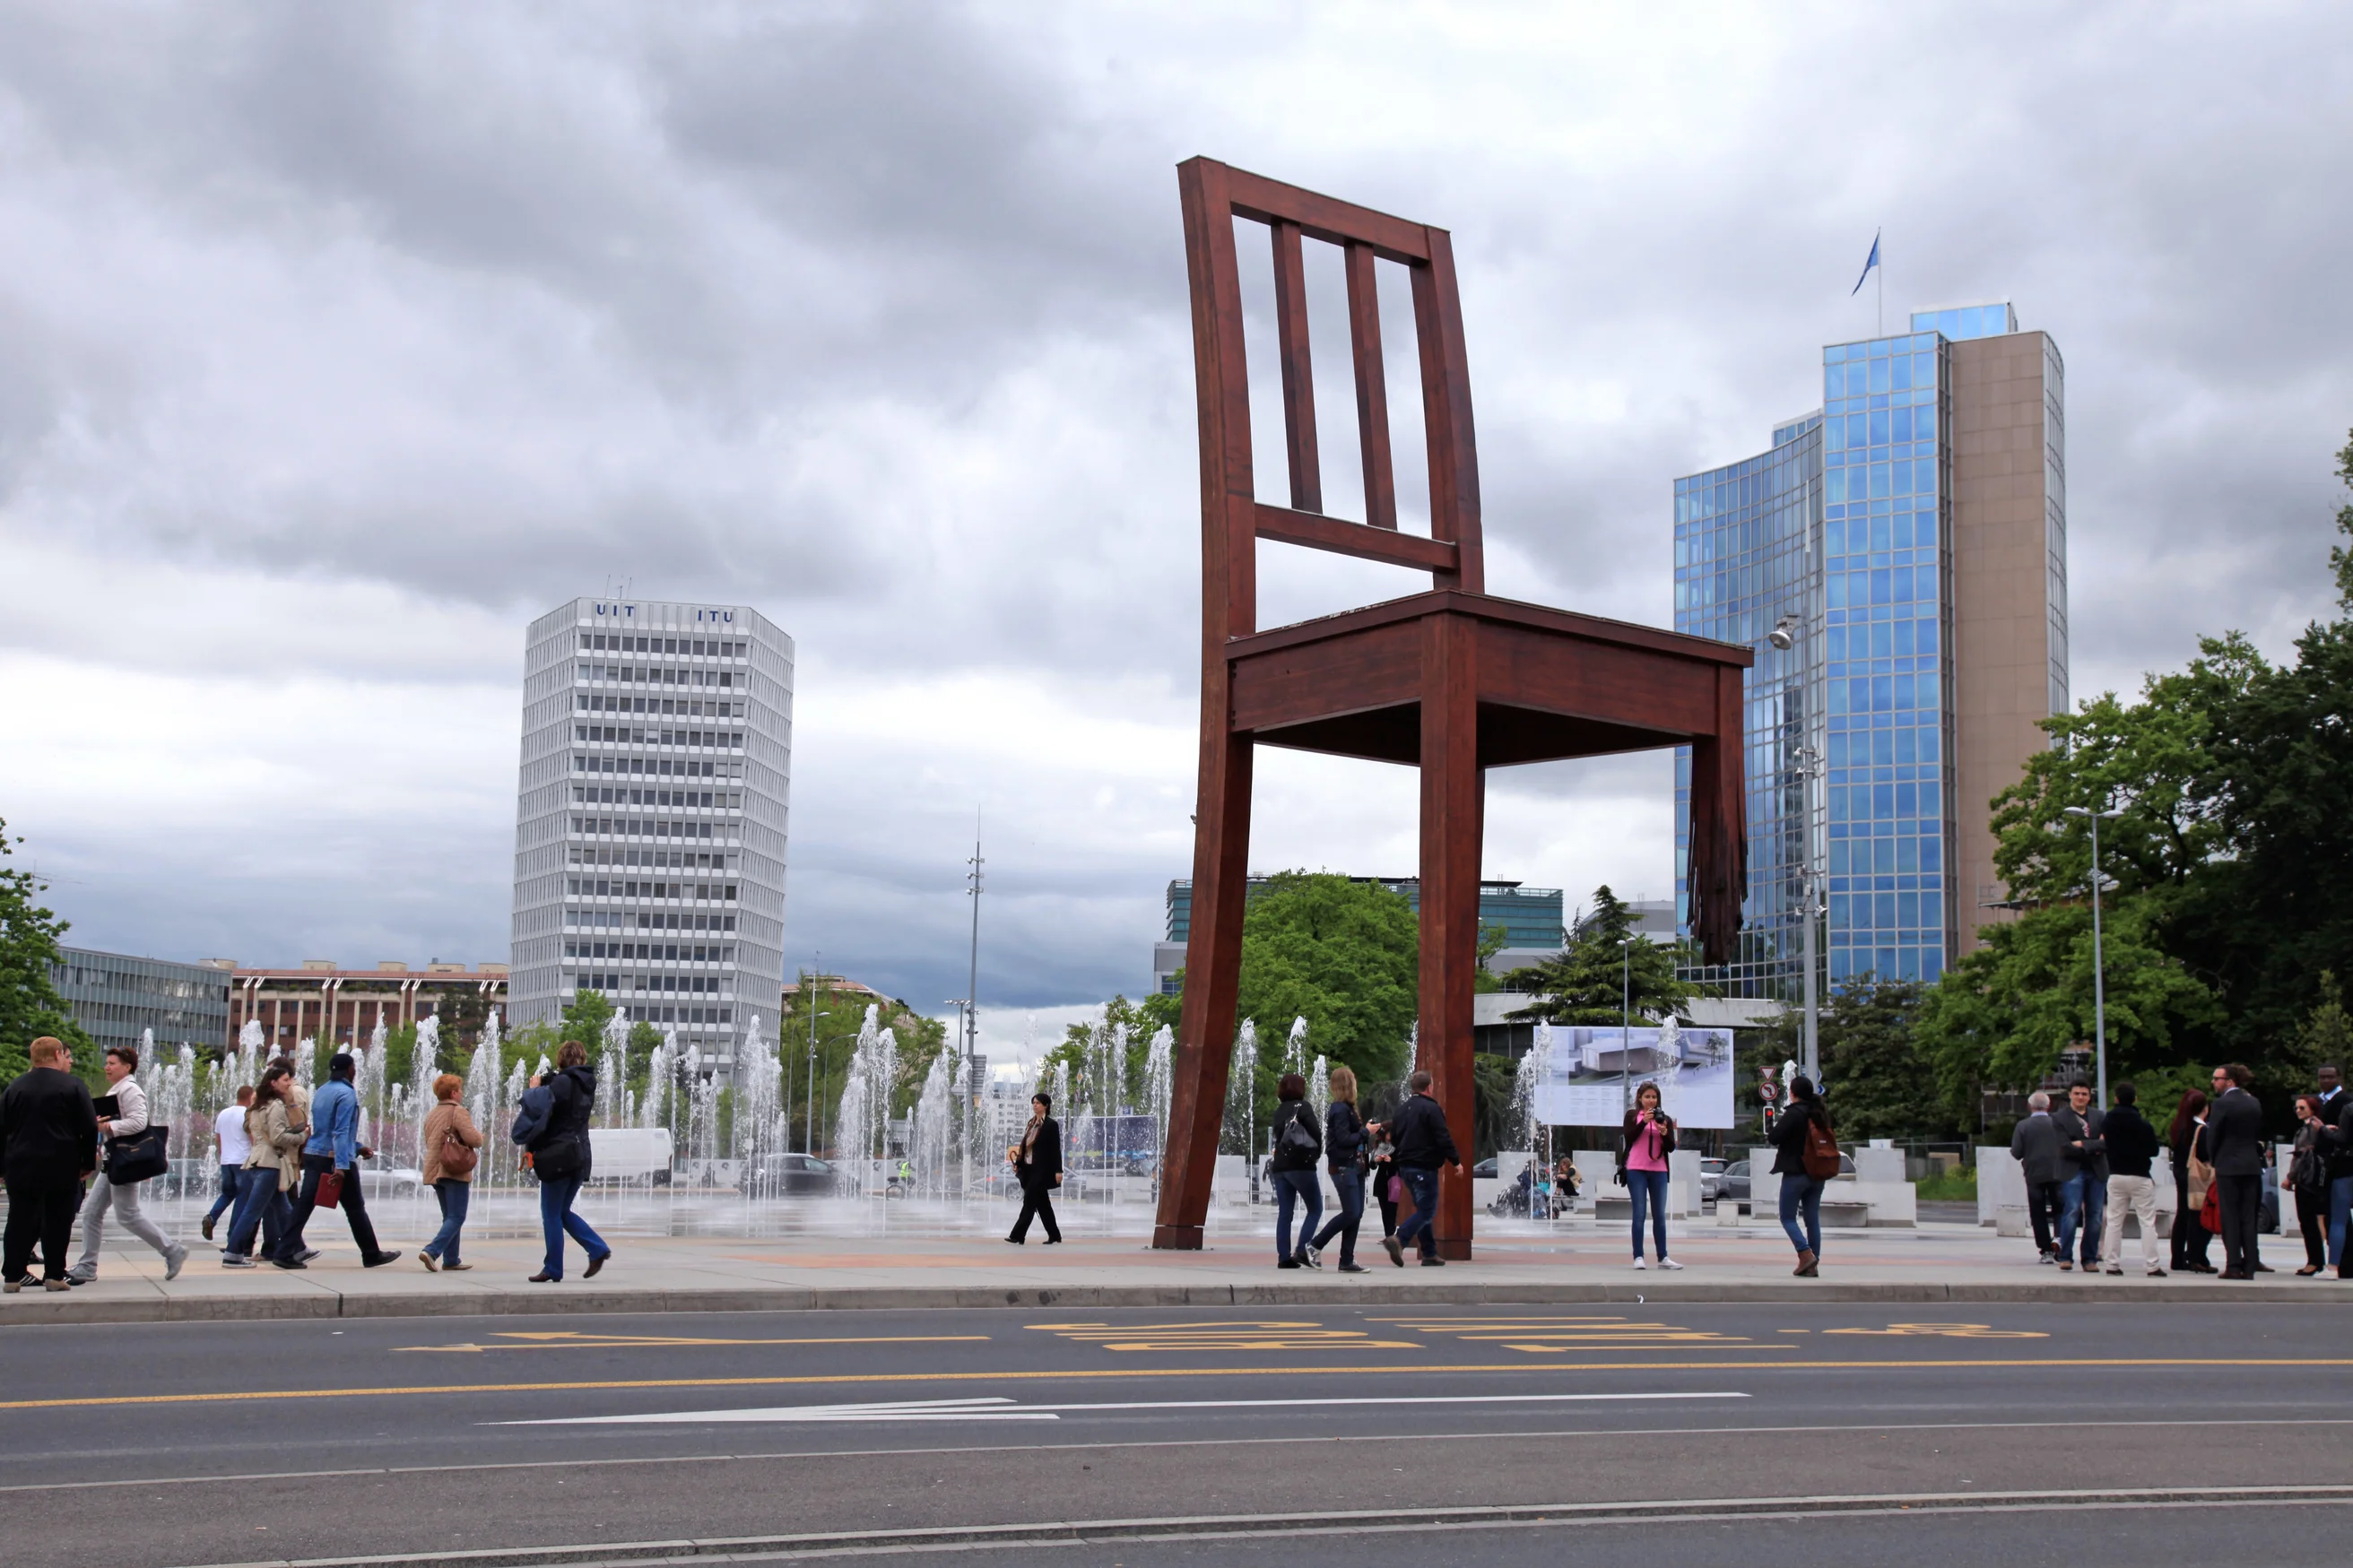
x=1450, y=680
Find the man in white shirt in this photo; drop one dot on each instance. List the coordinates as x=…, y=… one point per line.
x=131, y=1116
x=228, y=1131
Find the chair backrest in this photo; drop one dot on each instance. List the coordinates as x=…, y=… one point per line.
x=1232, y=518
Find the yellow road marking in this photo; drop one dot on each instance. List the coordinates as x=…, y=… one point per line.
x=1945, y=1331
x=2053, y=1364
x=1559, y=1336
x=1219, y=1336
x=561, y=1339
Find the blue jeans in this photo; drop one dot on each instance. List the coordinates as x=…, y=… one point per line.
x=259, y=1207
x=1649, y=1191
x=556, y=1217
x=1806, y=1191
x=1422, y=1228
x=2340, y=1202
x=452, y=1194
x=1302, y=1185
x=2082, y=1200
x=1349, y=1184
x=229, y=1184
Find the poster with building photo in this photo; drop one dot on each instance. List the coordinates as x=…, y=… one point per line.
x=1592, y=1073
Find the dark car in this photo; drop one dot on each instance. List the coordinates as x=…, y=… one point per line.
x=1485, y=1167
x=777, y=1174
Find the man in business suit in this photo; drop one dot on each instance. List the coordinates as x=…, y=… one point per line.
x=49, y=1141
x=2083, y=1175
x=2034, y=1144
x=2336, y=1148
x=1037, y=1166
x=2234, y=1130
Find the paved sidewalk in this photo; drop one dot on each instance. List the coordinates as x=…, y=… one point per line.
x=901, y=1262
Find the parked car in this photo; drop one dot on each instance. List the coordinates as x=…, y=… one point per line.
x=1485, y=1167
x=1731, y=1183
x=788, y=1174
x=1711, y=1172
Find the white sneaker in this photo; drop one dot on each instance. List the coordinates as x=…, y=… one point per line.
x=1640, y=1264
x=173, y=1262
x=1669, y=1263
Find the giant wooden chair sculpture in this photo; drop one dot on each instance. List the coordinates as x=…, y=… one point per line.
x=1451, y=679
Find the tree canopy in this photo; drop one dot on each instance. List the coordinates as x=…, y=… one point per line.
x=2225, y=909
x=1605, y=967
x=30, y=1005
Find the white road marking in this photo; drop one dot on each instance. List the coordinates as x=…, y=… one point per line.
x=1006, y=1409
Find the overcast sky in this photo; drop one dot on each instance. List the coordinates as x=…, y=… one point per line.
x=338, y=342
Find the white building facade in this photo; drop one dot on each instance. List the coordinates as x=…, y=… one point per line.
x=650, y=821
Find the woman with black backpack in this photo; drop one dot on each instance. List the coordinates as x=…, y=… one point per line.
x=560, y=1159
x=1298, y=1150
x=1806, y=1157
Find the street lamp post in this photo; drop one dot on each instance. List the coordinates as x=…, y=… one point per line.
x=2099, y=969
x=1626, y=1020
x=1811, y=763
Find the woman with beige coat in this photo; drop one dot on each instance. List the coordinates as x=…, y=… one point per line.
x=277, y=1123
x=451, y=1139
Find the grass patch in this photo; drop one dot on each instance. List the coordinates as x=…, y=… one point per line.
x=1959, y=1187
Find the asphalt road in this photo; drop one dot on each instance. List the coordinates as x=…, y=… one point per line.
x=1983, y=1435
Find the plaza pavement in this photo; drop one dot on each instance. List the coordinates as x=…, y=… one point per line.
x=686, y=1257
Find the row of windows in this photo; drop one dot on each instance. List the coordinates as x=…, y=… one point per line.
x=1884, y=694
x=1884, y=480
x=138, y=984
x=675, y=706
x=606, y=888
x=653, y=859
x=630, y=737
x=616, y=794
x=1897, y=857
x=1883, y=374
x=649, y=1015
x=693, y=985
x=648, y=920
x=649, y=951
x=694, y=648
x=1879, y=427
x=1921, y=963
x=656, y=675
x=643, y=828
x=657, y=767
x=1886, y=802
x=1910, y=638
x=1878, y=532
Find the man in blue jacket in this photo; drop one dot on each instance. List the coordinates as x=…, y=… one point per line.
x=334, y=1146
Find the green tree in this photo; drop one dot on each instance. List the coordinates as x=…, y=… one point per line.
x=836, y=1014
x=1603, y=966
x=1492, y=939
x=1343, y=955
x=1880, y=1084
x=30, y=1004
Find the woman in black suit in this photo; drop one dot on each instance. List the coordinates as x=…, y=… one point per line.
x=1038, y=1166
x=2189, y=1238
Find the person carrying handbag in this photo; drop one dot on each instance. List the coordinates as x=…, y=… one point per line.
x=116, y=1133
x=560, y=1156
x=450, y=1140
x=331, y=1173
x=1298, y=1150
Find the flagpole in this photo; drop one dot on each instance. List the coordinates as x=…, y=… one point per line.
x=1883, y=287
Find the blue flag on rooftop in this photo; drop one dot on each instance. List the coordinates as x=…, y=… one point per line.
x=1867, y=266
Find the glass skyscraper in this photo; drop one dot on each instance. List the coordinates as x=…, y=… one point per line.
x=1911, y=534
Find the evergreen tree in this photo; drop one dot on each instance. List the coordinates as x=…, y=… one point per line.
x=1605, y=968
x=30, y=1004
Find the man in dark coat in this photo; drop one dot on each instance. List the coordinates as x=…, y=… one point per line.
x=49, y=1143
x=1038, y=1166
x=2234, y=1130
x=2034, y=1144
x=2083, y=1175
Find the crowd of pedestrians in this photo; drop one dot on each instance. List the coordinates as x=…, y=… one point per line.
x=283, y=1155
x=2085, y=1169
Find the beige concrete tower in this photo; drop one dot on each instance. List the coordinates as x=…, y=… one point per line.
x=2009, y=585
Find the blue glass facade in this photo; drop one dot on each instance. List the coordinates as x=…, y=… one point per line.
x=1844, y=528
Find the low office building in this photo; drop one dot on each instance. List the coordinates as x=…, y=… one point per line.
x=318, y=999
x=117, y=998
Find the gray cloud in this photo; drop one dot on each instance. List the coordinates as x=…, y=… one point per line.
x=336, y=341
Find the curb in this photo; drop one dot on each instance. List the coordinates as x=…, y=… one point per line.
x=331, y=1303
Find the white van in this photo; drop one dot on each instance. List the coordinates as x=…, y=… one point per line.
x=629, y=1154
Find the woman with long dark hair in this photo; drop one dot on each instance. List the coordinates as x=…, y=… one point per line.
x=1643, y=1145
x=1801, y=1190
x=2190, y=1236
x=275, y=1128
x=1298, y=1150
x=2307, y=1173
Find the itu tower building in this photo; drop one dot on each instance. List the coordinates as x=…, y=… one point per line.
x=651, y=818
x=1908, y=541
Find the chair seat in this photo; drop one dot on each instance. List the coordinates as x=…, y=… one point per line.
x=1550, y=684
